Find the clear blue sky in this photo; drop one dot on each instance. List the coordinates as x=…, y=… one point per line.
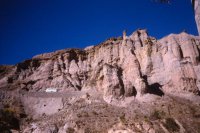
x=31, y=27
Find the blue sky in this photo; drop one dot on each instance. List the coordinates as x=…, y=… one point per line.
x=31, y=27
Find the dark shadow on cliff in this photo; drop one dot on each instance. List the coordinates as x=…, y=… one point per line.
x=126, y=91
x=120, y=74
x=154, y=88
x=198, y=93
x=8, y=121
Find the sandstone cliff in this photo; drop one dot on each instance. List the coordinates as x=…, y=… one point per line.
x=128, y=66
x=107, y=87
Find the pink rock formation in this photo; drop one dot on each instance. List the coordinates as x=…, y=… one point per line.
x=128, y=66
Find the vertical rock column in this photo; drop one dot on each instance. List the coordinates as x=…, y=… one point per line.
x=130, y=65
x=196, y=6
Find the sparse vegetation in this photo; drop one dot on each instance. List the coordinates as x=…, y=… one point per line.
x=156, y=115
x=94, y=112
x=70, y=130
x=122, y=119
x=8, y=120
x=146, y=119
x=194, y=112
x=171, y=125
x=83, y=114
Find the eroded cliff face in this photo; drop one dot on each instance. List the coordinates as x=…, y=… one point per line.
x=104, y=88
x=128, y=66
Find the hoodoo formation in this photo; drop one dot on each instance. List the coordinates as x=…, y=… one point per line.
x=110, y=84
x=116, y=67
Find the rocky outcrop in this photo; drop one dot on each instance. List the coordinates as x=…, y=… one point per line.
x=121, y=69
x=128, y=66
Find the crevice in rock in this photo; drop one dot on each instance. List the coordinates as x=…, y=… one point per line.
x=138, y=32
x=131, y=92
x=181, y=52
x=120, y=75
x=23, y=66
x=50, y=78
x=198, y=58
x=32, y=82
x=62, y=59
x=198, y=93
x=10, y=80
x=28, y=64
x=195, y=43
x=73, y=56
x=134, y=92
x=35, y=63
x=133, y=52
x=154, y=88
x=141, y=43
x=78, y=87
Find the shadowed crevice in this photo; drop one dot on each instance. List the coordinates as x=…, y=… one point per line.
x=198, y=93
x=120, y=75
x=181, y=52
x=133, y=92
x=198, y=58
x=154, y=88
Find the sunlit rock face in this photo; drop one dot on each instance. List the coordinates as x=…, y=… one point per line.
x=130, y=66
x=196, y=6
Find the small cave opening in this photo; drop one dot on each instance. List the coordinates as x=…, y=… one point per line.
x=130, y=92
x=181, y=52
x=134, y=92
x=198, y=93
x=78, y=87
x=154, y=88
x=120, y=75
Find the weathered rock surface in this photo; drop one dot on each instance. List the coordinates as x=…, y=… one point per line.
x=91, y=82
x=42, y=106
x=127, y=66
